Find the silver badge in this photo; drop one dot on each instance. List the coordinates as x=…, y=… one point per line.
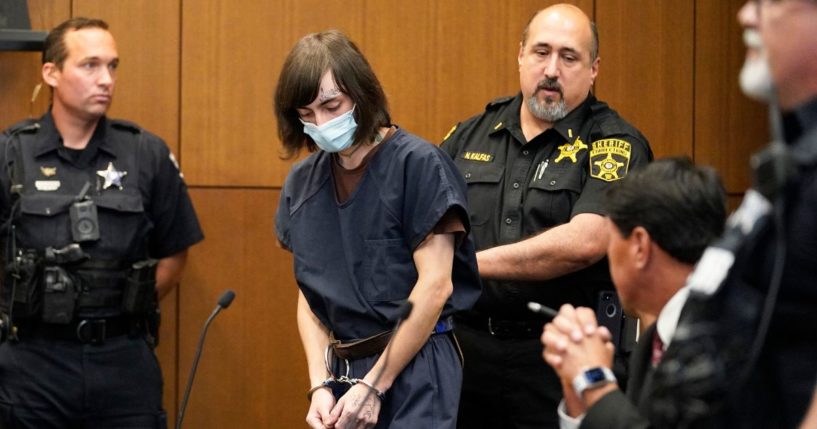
x=112, y=176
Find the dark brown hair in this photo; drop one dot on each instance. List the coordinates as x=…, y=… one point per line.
x=54, y=50
x=681, y=205
x=300, y=79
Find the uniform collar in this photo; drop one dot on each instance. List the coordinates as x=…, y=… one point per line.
x=509, y=120
x=49, y=138
x=800, y=120
x=570, y=124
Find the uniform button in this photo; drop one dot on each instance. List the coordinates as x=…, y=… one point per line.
x=508, y=221
x=524, y=152
x=552, y=182
x=467, y=175
x=516, y=185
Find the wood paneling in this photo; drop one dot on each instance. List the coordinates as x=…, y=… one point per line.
x=201, y=74
x=20, y=71
x=253, y=372
x=404, y=69
x=147, y=85
x=729, y=127
x=474, y=58
x=231, y=57
x=646, y=71
x=147, y=92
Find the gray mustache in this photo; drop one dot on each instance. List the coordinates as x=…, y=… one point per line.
x=550, y=85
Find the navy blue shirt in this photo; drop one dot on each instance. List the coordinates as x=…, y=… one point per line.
x=354, y=260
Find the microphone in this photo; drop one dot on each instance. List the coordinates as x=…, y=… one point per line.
x=223, y=302
x=226, y=299
x=403, y=313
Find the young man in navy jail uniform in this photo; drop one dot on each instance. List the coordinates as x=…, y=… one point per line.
x=537, y=165
x=373, y=217
x=96, y=220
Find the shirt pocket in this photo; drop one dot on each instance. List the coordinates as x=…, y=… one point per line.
x=390, y=270
x=484, y=183
x=123, y=223
x=551, y=197
x=44, y=220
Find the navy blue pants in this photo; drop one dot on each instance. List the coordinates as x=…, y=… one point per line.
x=425, y=394
x=50, y=384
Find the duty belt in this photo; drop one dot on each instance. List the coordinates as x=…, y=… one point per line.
x=86, y=331
x=502, y=327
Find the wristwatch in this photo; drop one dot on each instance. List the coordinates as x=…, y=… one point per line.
x=591, y=378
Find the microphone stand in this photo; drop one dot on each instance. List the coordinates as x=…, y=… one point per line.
x=223, y=302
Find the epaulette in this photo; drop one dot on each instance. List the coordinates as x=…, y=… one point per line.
x=24, y=126
x=124, y=125
x=499, y=101
x=609, y=121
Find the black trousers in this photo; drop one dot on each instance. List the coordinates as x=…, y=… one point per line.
x=55, y=384
x=506, y=383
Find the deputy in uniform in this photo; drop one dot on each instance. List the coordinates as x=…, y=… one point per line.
x=96, y=220
x=537, y=167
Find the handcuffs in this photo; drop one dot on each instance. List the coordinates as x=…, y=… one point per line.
x=340, y=385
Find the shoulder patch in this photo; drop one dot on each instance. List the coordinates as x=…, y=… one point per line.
x=609, y=159
x=499, y=101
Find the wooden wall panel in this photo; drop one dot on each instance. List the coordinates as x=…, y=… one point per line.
x=399, y=44
x=147, y=38
x=20, y=71
x=253, y=372
x=147, y=92
x=474, y=57
x=202, y=73
x=646, y=71
x=728, y=125
x=231, y=56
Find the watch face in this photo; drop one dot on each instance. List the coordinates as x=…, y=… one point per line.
x=594, y=375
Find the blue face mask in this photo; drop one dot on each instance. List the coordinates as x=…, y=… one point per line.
x=335, y=135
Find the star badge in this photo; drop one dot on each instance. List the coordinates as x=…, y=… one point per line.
x=112, y=176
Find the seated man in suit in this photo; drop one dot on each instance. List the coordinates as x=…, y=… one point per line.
x=660, y=220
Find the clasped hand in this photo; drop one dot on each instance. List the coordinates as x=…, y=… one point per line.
x=356, y=409
x=573, y=341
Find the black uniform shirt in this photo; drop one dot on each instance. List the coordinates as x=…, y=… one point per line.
x=150, y=216
x=517, y=189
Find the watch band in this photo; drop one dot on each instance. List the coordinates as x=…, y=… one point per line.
x=591, y=378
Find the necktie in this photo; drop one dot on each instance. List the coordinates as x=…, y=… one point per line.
x=657, y=349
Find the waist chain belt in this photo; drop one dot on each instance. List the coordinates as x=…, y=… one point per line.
x=356, y=349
